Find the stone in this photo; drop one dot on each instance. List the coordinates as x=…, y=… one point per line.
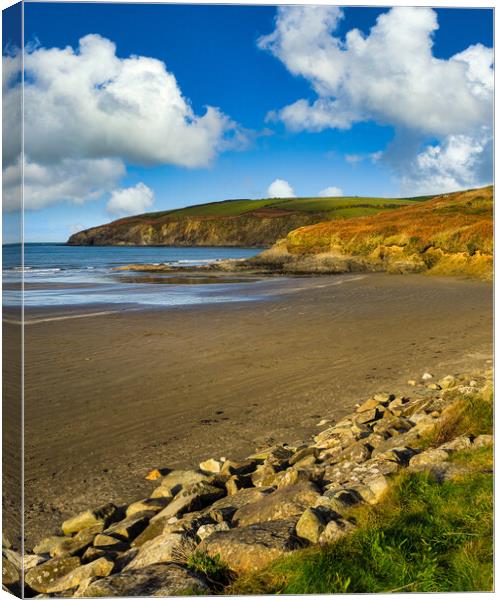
x=294, y=475
x=367, y=416
x=152, y=530
x=46, y=545
x=131, y=527
x=483, y=440
x=76, y=544
x=426, y=376
x=10, y=574
x=335, y=530
x=412, y=382
x=237, y=483
x=448, y=382
x=101, y=515
x=378, y=486
x=357, y=453
x=433, y=386
x=192, y=497
x=251, y=548
x=163, y=548
x=282, y=504
x=392, y=425
x=153, y=475
x=32, y=560
x=206, y=530
x=211, y=466
x=424, y=424
x=5, y=541
x=97, y=568
x=225, y=508
x=305, y=453
x=152, y=581
x=264, y=475
x=274, y=454
x=176, y=480
x=462, y=442
x=313, y=522
x=43, y=576
x=109, y=543
x=428, y=458
x=244, y=467
x=148, y=504
x=400, y=455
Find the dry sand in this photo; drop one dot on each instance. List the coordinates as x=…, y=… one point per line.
x=110, y=397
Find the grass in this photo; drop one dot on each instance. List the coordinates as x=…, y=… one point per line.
x=211, y=567
x=424, y=536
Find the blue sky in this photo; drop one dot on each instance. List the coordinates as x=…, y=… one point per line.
x=217, y=59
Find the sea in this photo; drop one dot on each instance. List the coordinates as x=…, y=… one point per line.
x=57, y=275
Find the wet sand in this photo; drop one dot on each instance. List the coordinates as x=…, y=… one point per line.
x=111, y=396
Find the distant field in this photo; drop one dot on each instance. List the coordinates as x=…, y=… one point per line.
x=342, y=207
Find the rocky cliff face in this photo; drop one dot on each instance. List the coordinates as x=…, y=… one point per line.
x=251, y=230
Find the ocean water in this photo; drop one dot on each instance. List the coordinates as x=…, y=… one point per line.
x=60, y=275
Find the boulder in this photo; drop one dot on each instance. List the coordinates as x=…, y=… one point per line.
x=152, y=581
x=98, y=516
x=313, y=522
x=172, y=483
x=47, y=544
x=264, y=475
x=211, y=466
x=367, y=416
x=206, y=530
x=10, y=573
x=483, y=440
x=152, y=530
x=192, y=497
x=250, y=548
x=97, y=568
x=282, y=504
x=244, y=467
x=304, y=453
x=148, y=504
x=76, y=544
x=43, y=576
x=131, y=527
x=225, y=508
x=109, y=543
x=462, y=442
x=158, y=550
x=335, y=530
x=448, y=382
x=428, y=458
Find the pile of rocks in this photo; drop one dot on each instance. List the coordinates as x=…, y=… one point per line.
x=249, y=512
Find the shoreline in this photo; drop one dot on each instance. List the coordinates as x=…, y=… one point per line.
x=165, y=387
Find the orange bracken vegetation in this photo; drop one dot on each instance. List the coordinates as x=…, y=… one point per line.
x=449, y=234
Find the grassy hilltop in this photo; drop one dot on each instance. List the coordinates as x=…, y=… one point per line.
x=451, y=234
x=251, y=223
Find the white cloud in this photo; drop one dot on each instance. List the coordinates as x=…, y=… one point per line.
x=130, y=201
x=389, y=76
x=280, y=188
x=87, y=107
x=331, y=192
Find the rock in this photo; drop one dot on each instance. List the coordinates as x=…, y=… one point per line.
x=250, y=548
x=225, y=508
x=176, y=480
x=238, y=468
x=282, y=504
x=367, y=416
x=378, y=486
x=152, y=530
x=400, y=455
x=211, y=466
x=274, y=454
x=448, y=382
x=206, y=530
x=97, y=568
x=148, y=504
x=426, y=376
x=153, y=581
x=131, y=527
x=294, y=475
x=412, y=382
x=153, y=475
x=193, y=497
x=45, y=546
x=99, y=516
x=357, y=453
x=433, y=386
x=462, y=442
x=304, y=453
x=109, y=543
x=392, y=426
x=483, y=440
x=6, y=542
x=32, y=560
x=378, y=401
x=428, y=458
x=158, y=550
x=237, y=483
x=424, y=424
x=335, y=530
x=313, y=522
x=322, y=422
x=43, y=576
x=263, y=475
x=10, y=574
x=74, y=545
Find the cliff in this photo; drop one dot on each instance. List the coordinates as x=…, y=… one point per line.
x=451, y=234
x=250, y=223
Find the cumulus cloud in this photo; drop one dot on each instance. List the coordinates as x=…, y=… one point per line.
x=132, y=200
x=389, y=76
x=86, y=106
x=330, y=192
x=280, y=188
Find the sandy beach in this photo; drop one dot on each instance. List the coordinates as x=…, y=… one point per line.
x=109, y=397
